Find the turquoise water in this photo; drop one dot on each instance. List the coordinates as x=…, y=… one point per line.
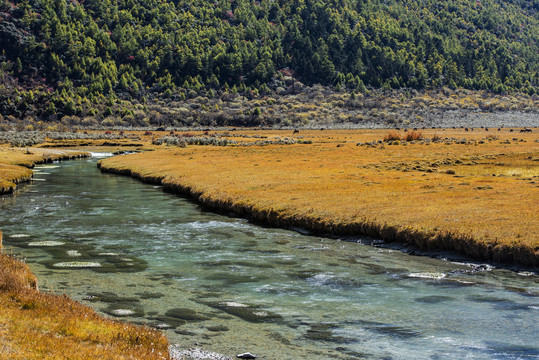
x=229, y=286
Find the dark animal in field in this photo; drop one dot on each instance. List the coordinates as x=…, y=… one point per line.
x=466, y=129
x=160, y=129
x=296, y=131
x=525, y=130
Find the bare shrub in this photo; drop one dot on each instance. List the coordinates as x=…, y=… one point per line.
x=392, y=136
x=413, y=136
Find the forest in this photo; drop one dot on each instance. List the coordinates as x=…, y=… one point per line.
x=60, y=58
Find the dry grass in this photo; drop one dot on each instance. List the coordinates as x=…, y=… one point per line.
x=437, y=195
x=11, y=175
x=35, y=325
x=15, y=164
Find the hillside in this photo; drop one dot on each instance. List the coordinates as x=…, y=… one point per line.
x=73, y=53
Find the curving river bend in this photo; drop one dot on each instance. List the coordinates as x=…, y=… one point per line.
x=229, y=286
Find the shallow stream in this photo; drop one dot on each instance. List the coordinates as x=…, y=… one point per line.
x=134, y=252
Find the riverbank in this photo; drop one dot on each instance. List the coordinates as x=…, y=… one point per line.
x=470, y=191
x=38, y=325
x=16, y=164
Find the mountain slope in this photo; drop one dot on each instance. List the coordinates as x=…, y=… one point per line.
x=132, y=47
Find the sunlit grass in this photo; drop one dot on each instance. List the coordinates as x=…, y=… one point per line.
x=35, y=325
x=15, y=163
x=436, y=195
x=10, y=175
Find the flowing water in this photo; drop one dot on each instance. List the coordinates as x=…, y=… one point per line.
x=134, y=252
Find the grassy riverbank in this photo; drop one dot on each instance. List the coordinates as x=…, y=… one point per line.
x=16, y=163
x=35, y=325
x=471, y=191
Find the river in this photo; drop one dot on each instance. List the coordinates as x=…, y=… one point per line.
x=137, y=253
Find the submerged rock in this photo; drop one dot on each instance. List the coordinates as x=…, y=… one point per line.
x=77, y=264
x=323, y=332
x=246, y=312
x=195, y=353
x=46, y=243
x=217, y=328
x=149, y=295
x=185, y=314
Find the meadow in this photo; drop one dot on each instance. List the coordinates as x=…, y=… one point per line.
x=470, y=190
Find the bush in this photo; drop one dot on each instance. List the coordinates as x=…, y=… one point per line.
x=22, y=138
x=392, y=136
x=413, y=135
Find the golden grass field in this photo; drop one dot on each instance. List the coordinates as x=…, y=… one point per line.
x=479, y=197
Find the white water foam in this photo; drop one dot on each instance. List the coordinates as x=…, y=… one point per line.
x=46, y=166
x=122, y=312
x=233, y=304
x=18, y=236
x=101, y=154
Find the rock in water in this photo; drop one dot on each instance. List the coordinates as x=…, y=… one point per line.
x=195, y=353
x=246, y=356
